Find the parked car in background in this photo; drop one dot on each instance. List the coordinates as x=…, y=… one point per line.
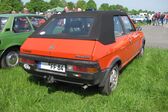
x=14, y=29
x=85, y=48
x=138, y=18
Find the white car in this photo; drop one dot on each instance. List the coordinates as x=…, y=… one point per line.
x=138, y=18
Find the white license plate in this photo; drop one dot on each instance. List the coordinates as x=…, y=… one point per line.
x=51, y=67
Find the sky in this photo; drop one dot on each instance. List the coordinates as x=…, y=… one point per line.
x=152, y=5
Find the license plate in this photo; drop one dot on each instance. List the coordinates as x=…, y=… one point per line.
x=52, y=67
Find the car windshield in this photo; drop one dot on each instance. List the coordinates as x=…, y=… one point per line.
x=3, y=21
x=71, y=27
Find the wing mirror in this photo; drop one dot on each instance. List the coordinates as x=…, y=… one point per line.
x=138, y=28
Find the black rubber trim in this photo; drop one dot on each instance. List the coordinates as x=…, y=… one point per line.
x=1, y=52
x=102, y=83
x=144, y=42
x=60, y=60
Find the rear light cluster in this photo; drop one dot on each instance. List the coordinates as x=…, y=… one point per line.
x=27, y=63
x=72, y=68
x=23, y=60
x=75, y=68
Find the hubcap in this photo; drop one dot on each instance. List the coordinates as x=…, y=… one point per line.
x=114, y=78
x=12, y=59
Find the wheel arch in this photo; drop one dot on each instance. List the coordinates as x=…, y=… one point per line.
x=115, y=61
x=143, y=41
x=9, y=48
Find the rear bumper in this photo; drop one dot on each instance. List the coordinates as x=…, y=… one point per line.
x=68, y=76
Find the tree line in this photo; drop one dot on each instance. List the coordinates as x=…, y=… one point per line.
x=6, y=6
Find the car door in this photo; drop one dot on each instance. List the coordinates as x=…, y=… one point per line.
x=123, y=42
x=19, y=31
x=21, y=28
x=130, y=31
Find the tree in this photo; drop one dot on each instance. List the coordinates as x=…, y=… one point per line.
x=70, y=5
x=57, y=3
x=121, y=8
x=37, y=6
x=81, y=4
x=134, y=12
x=118, y=7
x=104, y=7
x=91, y=5
x=112, y=7
x=9, y=5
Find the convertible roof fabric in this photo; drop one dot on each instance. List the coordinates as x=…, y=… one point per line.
x=103, y=27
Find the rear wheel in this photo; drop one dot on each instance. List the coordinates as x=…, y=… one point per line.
x=111, y=81
x=10, y=58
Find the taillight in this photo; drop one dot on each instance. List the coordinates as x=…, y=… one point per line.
x=23, y=60
x=75, y=68
x=78, y=68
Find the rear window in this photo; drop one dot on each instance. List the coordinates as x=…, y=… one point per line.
x=68, y=27
x=3, y=21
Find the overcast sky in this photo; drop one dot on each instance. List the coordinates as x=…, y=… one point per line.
x=152, y=5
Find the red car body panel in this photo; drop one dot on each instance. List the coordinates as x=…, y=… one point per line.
x=59, y=48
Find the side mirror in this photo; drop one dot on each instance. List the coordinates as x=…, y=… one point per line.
x=7, y=29
x=138, y=28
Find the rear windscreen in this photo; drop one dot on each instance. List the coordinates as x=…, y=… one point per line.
x=75, y=27
x=3, y=21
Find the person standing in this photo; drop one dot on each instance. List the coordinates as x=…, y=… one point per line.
x=162, y=16
x=154, y=19
x=166, y=18
x=158, y=18
x=150, y=19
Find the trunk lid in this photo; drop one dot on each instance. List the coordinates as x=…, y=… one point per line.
x=59, y=48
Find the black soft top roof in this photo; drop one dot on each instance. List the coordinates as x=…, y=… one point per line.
x=102, y=30
x=90, y=13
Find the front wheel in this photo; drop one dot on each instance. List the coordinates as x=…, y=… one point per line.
x=10, y=58
x=141, y=53
x=111, y=81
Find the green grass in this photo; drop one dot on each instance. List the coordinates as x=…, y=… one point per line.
x=143, y=87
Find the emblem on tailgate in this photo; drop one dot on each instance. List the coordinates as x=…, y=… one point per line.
x=51, y=47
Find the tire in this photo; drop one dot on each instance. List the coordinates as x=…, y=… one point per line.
x=111, y=81
x=10, y=58
x=141, y=53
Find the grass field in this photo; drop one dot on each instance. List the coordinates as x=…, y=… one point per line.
x=143, y=87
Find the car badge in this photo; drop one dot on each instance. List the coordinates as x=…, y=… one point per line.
x=51, y=47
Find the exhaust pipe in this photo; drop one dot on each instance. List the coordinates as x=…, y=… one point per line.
x=50, y=79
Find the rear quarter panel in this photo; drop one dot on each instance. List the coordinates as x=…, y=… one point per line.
x=106, y=54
